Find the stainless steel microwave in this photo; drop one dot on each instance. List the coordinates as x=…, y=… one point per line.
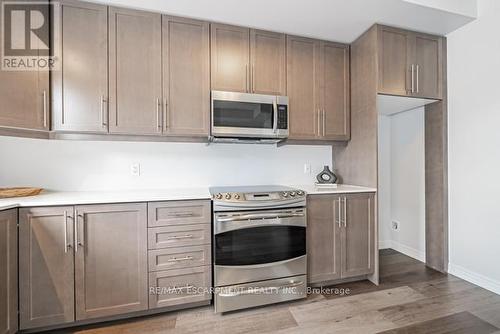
x=249, y=116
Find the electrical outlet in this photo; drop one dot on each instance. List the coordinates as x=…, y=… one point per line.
x=135, y=169
x=395, y=225
x=307, y=168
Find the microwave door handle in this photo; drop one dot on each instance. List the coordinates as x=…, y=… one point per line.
x=275, y=115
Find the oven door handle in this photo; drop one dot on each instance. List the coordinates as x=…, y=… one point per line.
x=252, y=291
x=259, y=216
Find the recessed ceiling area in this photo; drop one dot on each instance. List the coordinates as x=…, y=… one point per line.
x=336, y=20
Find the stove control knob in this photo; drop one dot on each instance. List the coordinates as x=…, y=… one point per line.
x=300, y=193
x=228, y=196
x=292, y=193
x=218, y=196
x=236, y=196
x=284, y=194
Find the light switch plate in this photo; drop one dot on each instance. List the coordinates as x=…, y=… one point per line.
x=307, y=168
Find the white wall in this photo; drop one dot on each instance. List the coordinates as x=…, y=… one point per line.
x=402, y=182
x=408, y=182
x=84, y=165
x=474, y=148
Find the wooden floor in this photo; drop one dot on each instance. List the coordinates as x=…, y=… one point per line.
x=410, y=299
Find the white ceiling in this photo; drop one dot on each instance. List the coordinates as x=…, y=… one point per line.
x=336, y=20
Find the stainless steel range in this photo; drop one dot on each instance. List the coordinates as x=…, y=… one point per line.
x=259, y=246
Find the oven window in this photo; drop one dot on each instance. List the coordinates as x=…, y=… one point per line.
x=243, y=114
x=259, y=245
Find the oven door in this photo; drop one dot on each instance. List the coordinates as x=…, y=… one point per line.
x=259, y=245
x=244, y=115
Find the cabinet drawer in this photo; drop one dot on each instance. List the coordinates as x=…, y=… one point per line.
x=178, y=236
x=179, y=257
x=178, y=213
x=180, y=286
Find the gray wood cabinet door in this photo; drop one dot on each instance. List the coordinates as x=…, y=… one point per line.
x=323, y=238
x=134, y=72
x=24, y=97
x=394, y=59
x=80, y=88
x=302, y=80
x=428, y=61
x=358, y=235
x=111, y=264
x=186, y=77
x=8, y=271
x=230, y=58
x=335, y=86
x=46, y=266
x=268, y=65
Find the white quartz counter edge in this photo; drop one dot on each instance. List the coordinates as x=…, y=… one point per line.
x=341, y=189
x=58, y=198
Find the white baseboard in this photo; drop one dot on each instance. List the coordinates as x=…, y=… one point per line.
x=475, y=278
x=409, y=251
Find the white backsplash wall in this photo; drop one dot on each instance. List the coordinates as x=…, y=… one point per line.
x=87, y=165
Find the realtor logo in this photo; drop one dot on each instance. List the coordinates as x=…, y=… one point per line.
x=26, y=35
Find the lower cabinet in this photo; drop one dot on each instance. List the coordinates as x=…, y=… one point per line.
x=340, y=236
x=111, y=261
x=8, y=271
x=81, y=262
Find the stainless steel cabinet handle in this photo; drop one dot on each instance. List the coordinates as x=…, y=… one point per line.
x=78, y=243
x=65, y=232
x=187, y=286
x=412, y=78
x=177, y=259
x=104, y=118
x=345, y=212
x=252, y=291
x=339, y=220
x=165, y=113
x=324, y=122
x=158, y=116
x=252, y=80
x=182, y=214
x=418, y=70
x=246, y=78
x=319, y=122
x=187, y=236
x=44, y=109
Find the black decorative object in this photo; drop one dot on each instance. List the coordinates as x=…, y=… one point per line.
x=326, y=176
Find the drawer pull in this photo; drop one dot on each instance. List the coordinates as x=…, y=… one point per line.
x=177, y=259
x=185, y=287
x=187, y=236
x=182, y=214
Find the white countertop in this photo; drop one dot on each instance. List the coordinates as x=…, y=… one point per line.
x=53, y=198
x=341, y=189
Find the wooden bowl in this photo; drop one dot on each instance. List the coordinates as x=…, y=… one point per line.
x=19, y=192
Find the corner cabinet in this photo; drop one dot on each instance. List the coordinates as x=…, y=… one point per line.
x=341, y=236
x=410, y=63
x=319, y=89
x=8, y=271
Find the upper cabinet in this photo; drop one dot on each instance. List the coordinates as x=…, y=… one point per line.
x=24, y=96
x=230, y=58
x=318, y=88
x=267, y=57
x=135, y=72
x=80, y=88
x=247, y=60
x=303, y=87
x=410, y=63
x=186, y=77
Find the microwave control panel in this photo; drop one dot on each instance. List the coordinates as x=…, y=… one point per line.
x=282, y=116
